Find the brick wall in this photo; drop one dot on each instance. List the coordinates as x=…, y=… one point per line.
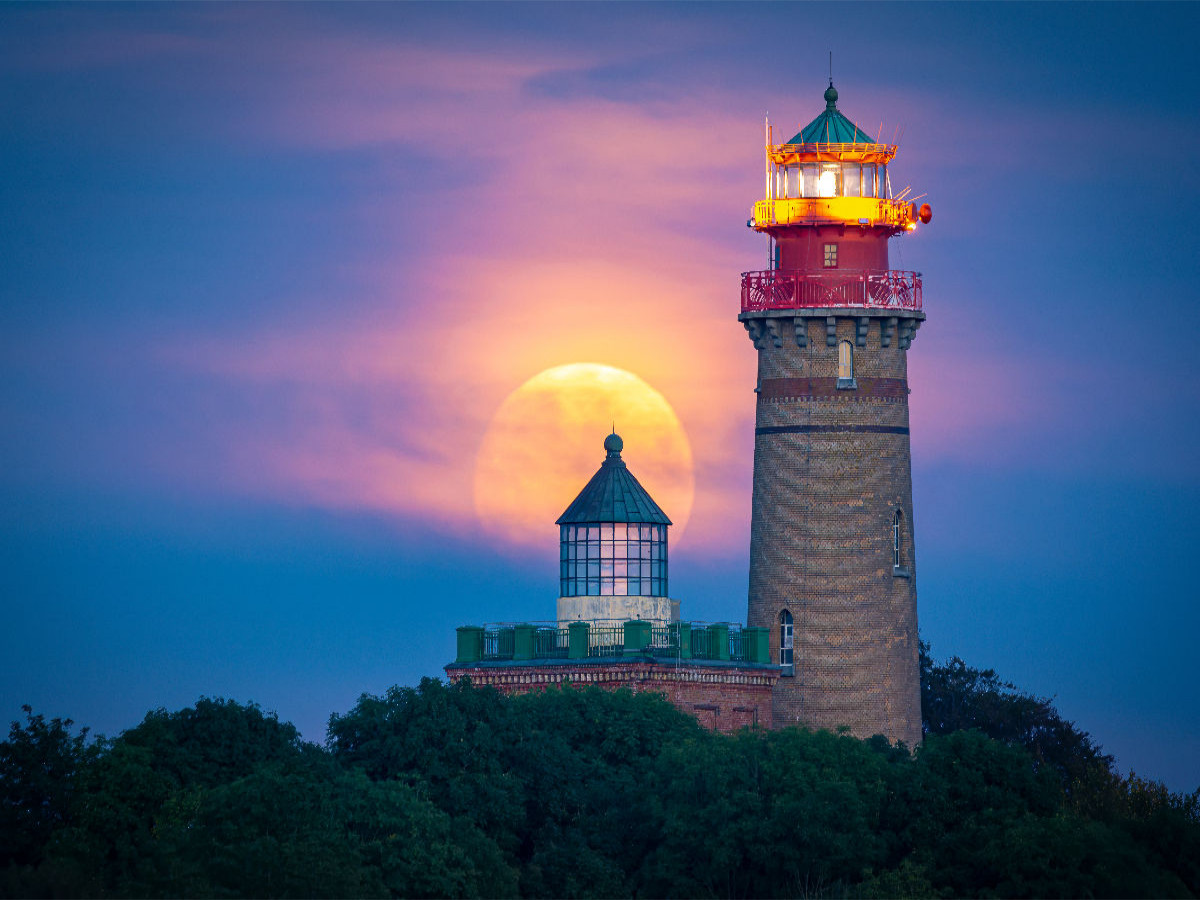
x=723, y=698
x=831, y=467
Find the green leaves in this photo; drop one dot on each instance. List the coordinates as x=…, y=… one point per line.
x=314, y=829
x=452, y=791
x=957, y=697
x=39, y=767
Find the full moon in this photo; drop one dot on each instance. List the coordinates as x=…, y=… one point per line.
x=547, y=439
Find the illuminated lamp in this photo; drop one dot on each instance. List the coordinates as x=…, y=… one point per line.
x=926, y=213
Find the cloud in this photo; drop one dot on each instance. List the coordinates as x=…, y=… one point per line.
x=555, y=228
x=575, y=242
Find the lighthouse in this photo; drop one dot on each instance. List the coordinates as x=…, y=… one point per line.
x=613, y=549
x=832, y=555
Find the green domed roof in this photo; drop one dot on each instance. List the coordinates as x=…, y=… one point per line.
x=613, y=495
x=831, y=127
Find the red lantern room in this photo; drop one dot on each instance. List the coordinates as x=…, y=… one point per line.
x=829, y=210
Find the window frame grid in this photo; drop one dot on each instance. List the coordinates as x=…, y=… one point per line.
x=613, y=560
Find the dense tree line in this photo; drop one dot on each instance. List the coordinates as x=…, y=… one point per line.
x=453, y=791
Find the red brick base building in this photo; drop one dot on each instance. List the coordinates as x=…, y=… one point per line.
x=719, y=673
x=724, y=696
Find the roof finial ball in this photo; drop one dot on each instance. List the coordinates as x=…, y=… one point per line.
x=830, y=95
x=614, y=445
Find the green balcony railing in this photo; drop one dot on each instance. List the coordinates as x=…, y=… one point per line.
x=579, y=640
x=498, y=643
x=550, y=643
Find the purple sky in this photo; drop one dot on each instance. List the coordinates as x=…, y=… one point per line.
x=267, y=272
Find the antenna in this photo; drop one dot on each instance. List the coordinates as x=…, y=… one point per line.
x=831, y=68
x=767, y=156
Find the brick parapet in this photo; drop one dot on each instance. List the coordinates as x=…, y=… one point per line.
x=803, y=327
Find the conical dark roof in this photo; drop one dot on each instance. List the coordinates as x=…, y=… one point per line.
x=613, y=495
x=831, y=127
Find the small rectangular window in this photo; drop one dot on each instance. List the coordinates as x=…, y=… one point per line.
x=831, y=256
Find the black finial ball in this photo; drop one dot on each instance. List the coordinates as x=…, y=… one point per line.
x=613, y=443
x=831, y=94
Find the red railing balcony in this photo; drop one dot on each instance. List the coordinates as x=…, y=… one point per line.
x=800, y=289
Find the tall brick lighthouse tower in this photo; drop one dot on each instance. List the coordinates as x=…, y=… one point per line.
x=832, y=564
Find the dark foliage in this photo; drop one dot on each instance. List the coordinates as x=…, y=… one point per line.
x=957, y=697
x=39, y=773
x=452, y=791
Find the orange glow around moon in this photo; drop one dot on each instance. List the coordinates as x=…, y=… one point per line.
x=546, y=440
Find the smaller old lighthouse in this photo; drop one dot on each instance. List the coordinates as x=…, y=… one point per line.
x=616, y=626
x=832, y=561
x=613, y=549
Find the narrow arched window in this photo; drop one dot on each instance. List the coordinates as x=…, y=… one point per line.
x=786, y=643
x=899, y=546
x=845, y=360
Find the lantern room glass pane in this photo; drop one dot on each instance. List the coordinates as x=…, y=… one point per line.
x=630, y=563
x=809, y=187
x=828, y=183
x=852, y=178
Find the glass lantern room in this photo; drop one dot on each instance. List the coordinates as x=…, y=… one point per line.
x=831, y=179
x=613, y=536
x=613, y=559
